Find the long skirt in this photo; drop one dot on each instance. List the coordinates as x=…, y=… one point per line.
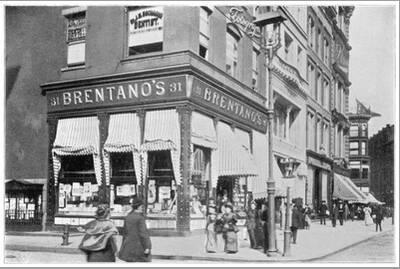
x=220, y=242
x=259, y=234
x=231, y=242
x=211, y=241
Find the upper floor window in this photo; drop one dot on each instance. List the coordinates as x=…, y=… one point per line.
x=145, y=29
x=354, y=148
x=288, y=48
x=326, y=90
x=364, y=129
x=318, y=41
x=318, y=89
x=311, y=32
x=204, y=32
x=354, y=130
x=363, y=148
x=311, y=78
x=232, y=54
x=76, y=38
x=254, y=80
x=326, y=51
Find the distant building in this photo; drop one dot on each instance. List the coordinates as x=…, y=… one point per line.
x=358, y=143
x=381, y=152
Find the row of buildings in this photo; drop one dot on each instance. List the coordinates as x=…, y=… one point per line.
x=170, y=103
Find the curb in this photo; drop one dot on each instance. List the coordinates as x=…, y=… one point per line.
x=66, y=250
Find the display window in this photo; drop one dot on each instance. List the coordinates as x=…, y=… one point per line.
x=22, y=206
x=123, y=184
x=199, y=191
x=161, y=185
x=234, y=190
x=78, y=188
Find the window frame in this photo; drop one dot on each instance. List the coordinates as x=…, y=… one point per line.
x=74, y=42
x=206, y=36
x=236, y=37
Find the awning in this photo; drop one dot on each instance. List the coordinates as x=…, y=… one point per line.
x=258, y=184
x=203, y=131
x=345, y=189
x=77, y=136
x=371, y=199
x=162, y=132
x=22, y=185
x=234, y=158
x=123, y=136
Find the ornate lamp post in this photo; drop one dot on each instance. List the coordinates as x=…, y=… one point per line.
x=269, y=23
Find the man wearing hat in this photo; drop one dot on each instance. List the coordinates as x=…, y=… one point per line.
x=251, y=224
x=136, y=244
x=211, y=238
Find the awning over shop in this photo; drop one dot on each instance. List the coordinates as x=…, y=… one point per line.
x=345, y=189
x=203, y=131
x=123, y=136
x=234, y=158
x=259, y=183
x=162, y=132
x=77, y=136
x=371, y=199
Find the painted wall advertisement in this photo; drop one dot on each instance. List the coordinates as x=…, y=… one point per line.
x=146, y=26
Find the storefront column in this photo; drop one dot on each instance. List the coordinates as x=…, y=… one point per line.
x=104, y=190
x=183, y=214
x=141, y=113
x=50, y=210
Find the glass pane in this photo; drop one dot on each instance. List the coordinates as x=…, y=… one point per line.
x=76, y=53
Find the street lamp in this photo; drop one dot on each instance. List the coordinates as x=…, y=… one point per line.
x=269, y=23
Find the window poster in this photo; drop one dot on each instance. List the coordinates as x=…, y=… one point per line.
x=145, y=26
x=87, y=189
x=31, y=207
x=164, y=192
x=13, y=202
x=95, y=188
x=76, y=189
x=125, y=190
x=151, y=192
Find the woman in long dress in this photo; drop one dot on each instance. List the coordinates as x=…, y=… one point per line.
x=230, y=229
x=211, y=235
x=367, y=215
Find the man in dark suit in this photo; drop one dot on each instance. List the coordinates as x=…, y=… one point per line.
x=322, y=212
x=297, y=218
x=136, y=244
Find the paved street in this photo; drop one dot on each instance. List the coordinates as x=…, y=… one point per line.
x=377, y=249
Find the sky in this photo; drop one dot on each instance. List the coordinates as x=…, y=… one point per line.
x=372, y=62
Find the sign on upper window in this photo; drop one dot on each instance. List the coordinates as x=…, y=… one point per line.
x=145, y=26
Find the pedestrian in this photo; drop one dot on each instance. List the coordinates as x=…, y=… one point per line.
x=136, y=244
x=296, y=222
x=335, y=214
x=219, y=227
x=211, y=235
x=378, y=218
x=264, y=221
x=367, y=215
x=346, y=212
x=352, y=212
x=230, y=229
x=323, y=212
x=259, y=228
x=251, y=224
x=99, y=243
x=282, y=213
x=307, y=215
x=341, y=213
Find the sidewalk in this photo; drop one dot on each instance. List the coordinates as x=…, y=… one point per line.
x=318, y=242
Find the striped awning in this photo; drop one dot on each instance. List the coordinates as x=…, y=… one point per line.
x=258, y=184
x=203, y=131
x=123, y=136
x=162, y=132
x=234, y=158
x=77, y=136
x=345, y=189
x=371, y=199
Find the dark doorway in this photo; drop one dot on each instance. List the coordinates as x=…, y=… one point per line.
x=316, y=189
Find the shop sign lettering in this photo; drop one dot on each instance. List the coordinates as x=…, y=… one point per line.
x=236, y=15
x=118, y=93
x=230, y=106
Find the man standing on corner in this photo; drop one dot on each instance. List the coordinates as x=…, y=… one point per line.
x=323, y=209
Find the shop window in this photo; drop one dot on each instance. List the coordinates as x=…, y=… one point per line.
x=123, y=181
x=23, y=205
x=199, y=185
x=161, y=187
x=204, y=36
x=232, y=55
x=145, y=30
x=78, y=188
x=76, y=38
x=254, y=82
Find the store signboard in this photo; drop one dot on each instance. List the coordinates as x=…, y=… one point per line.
x=228, y=105
x=145, y=26
x=111, y=94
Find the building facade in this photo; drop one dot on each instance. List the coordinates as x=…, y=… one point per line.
x=358, y=146
x=381, y=152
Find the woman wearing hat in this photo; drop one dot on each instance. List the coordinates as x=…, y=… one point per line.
x=99, y=240
x=230, y=229
x=211, y=235
x=136, y=244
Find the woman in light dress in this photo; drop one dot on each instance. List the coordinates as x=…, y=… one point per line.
x=367, y=216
